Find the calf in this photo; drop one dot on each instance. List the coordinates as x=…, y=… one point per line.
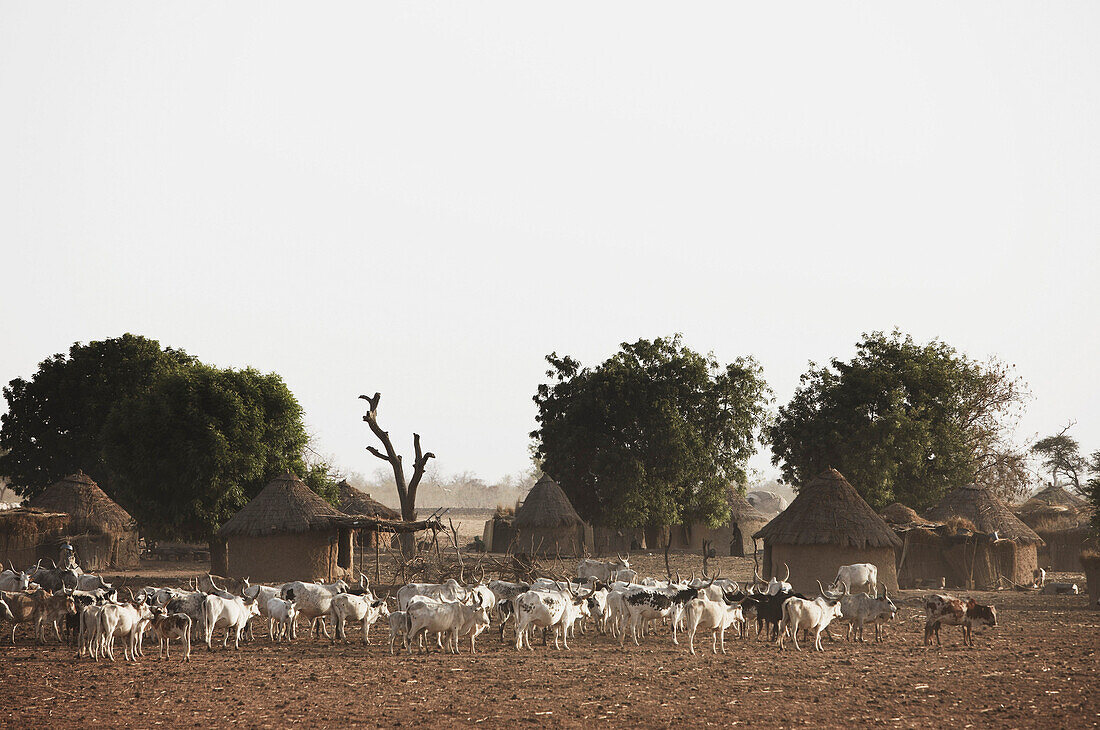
x=815, y=615
x=51, y=610
x=944, y=609
x=281, y=614
x=398, y=627
x=168, y=626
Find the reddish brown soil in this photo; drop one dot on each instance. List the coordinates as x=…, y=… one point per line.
x=1039, y=667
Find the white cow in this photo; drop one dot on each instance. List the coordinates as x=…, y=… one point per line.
x=776, y=586
x=857, y=578
x=601, y=571
x=450, y=618
x=547, y=609
x=448, y=590
x=232, y=614
x=717, y=616
x=815, y=615
x=398, y=627
x=314, y=601
x=361, y=609
x=125, y=620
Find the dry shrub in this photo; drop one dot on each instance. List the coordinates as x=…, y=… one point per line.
x=956, y=524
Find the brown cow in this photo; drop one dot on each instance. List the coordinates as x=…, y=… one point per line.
x=23, y=608
x=942, y=609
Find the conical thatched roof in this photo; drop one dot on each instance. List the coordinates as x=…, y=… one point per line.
x=285, y=505
x=829, y=511
x=91, y=509
x=354, y=502
x=546, y=506
x=1053, y=496
x=989, y=514
x=741, y=510
x=899, y=514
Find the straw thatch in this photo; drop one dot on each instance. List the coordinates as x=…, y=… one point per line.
x=92, y=511
x=829, y=511
x=1052, y=496
x=899, y=514
x=354, y=502
x=546, y=506
x=989, y=514
x=286, y=505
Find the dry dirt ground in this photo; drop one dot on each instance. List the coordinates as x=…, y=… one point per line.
x=1038, y=668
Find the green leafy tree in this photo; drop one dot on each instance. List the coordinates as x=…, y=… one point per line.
x=654, y=435
x=55, y=420
x=904, y=422
x=1061, y=456
x=200, y=444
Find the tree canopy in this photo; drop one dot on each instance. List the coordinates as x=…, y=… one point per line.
x=55, y=420
x=654, y=435
x=904, y=422
x=1061, y=457
x=179, y=444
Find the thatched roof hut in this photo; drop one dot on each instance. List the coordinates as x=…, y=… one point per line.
x=826, y=526
x=735, y=537
x=354, y=502
x=1053, y=496
x=26, y=535
x=898, y=514
x=1005, y=546
x=286, y=532
x=102, y=533
x=546, y=522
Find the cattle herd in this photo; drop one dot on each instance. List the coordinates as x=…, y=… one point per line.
x=607, y=598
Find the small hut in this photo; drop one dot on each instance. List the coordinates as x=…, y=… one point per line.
x=1003, y=546
x=499, y=530
x=354, y=502
x=102, y=533
x=735, y=537
x=920, y=559
x=826, y=526
x=547, y=524
x=1052, y=496
x=287, y=532
x=27, y=535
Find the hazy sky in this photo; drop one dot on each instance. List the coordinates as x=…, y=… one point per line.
x=425, y=199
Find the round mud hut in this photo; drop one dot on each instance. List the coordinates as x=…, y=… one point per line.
x=920, y=560
x=1052, y=496
x=287, y=532
x=1003, y=547
x=547, y=524
x=27, y=535
x=354, y=502
x=735, y=537
x=826, y=526
x=102, y=533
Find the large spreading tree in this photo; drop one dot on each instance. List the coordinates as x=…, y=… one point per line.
x=55, y=420
x=179, y=444
x=654, y=435
x=905, y=422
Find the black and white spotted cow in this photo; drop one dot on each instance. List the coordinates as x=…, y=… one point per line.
x=646, y=604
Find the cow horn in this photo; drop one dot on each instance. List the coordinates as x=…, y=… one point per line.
x=132, y=599
x=678, y=579
x=692, y=577
x=756, y=577
x=716, y=576
x=621, y=558
x=788, y=576
x=821, y=588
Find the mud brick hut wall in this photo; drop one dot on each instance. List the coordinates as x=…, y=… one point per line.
x=735, y=537
x=826, y=526
x=354, y=502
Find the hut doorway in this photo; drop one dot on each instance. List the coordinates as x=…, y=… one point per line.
x=737, y=544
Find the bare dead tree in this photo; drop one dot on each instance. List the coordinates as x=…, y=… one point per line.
x=406, y=490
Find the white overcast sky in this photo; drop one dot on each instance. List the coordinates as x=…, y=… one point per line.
x=424, y=199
